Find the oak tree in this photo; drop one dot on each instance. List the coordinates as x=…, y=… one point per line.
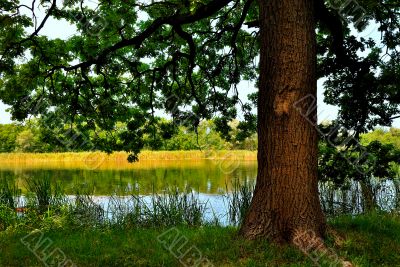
x=130, y=58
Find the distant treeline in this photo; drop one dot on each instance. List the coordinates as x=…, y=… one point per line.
x=34, y=136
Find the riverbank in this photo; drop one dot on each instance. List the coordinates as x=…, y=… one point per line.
x=116, y=160
x=122, y=156
x=365, y=240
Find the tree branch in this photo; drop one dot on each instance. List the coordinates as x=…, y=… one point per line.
x=202, y=12
x=333, y=23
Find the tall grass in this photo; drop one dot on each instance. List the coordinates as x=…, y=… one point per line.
x=85, y=211
x=172, y=207
x=239, y=201
x=9, y=193
x=44, y=194
x=45, y=202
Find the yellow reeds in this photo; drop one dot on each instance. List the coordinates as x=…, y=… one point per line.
x=118, y=160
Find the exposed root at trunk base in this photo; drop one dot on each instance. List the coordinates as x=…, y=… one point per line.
x=314, y=247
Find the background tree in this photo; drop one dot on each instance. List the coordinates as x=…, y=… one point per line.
x=131, y=58
x=391, y=136
x=368, y=166
x=26, y=141
x=8, y=136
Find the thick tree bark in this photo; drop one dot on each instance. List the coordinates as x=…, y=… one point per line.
x=369, y=203
x=396, y=183
x=285, y=202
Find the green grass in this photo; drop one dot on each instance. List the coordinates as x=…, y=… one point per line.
x=370, y=240
x=367, y=240
x=140, y=247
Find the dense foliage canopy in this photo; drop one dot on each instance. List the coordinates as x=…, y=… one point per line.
x=129, y=59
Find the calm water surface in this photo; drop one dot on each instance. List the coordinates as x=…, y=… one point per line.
x=204, y=176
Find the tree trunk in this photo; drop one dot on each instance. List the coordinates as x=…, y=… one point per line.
x=369, y=203
x=396, y=184
x=285, y=202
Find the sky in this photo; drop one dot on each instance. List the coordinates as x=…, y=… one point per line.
x=63, y=30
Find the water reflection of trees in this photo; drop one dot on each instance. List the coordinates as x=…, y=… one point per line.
x=205, y=178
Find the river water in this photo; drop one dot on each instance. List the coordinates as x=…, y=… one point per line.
x=210, y=180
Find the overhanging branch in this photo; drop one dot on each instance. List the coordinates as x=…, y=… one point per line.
x=202, y=12
x=333, y=23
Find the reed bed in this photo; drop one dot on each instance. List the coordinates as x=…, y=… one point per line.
x=239, y=200
x=45, y=205
x=122, y=156
x=9, y=193
x=118, y=160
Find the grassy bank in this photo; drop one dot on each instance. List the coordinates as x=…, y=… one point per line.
x=122, y=156
x=118, y=160
x=101, y=160
x=365, y=240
